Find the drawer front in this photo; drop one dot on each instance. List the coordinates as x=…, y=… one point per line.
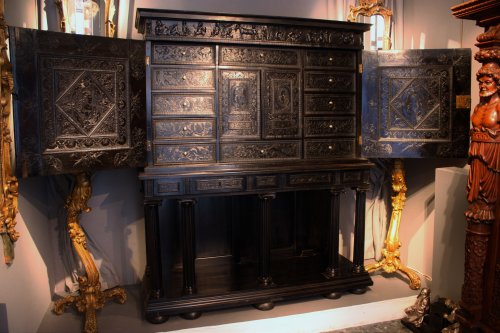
x=183, y=105
x=182, y=54
x=318, y=149
x=252, y=151
x=186, y=153
x=329, y=104
x=243, y=56
x=183, y=128
x=181, y=78
x=299, y=180
x=218, y=184
x=331, y=59
x=329, y=126
x=171, y=186
x=329, y=81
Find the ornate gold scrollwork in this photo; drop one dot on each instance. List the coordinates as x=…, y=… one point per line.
x=391, y=262
x=370, y=8
x=91, y=297
x=9, y=192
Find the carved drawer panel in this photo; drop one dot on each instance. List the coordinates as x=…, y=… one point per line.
x=252, y=151
x=331, y=59
x=240, y=104
x=307, y=179
x=329, y=104
x=183, y=128
x=318, y=149
x=264, y=181
x=233, y=55
x=181, y=78
x=182, y=54
x=330, y=81
x=185, y=153
x=169, y=186
x=329, y=126
x=183, y=105
x=218, y=184
x=351, y=177
x=281, y=103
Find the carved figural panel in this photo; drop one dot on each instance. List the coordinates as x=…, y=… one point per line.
x=240, y=104
x=80, y=102
x=413, y=103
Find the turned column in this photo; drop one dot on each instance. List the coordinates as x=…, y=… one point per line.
x=359, y=232
x=153, y=251
x=186, y=227
x=333, y=234
x=265, y=278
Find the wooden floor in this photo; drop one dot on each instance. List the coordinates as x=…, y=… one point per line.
x=383, y=302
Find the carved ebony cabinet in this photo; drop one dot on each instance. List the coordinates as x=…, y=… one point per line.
x=253, y=135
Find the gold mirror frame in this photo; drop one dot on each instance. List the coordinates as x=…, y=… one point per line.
x=9, y=191
x=371, y=8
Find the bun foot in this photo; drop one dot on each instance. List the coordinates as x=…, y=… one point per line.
x=333, y=295
x=191, y=315
x=156, y=318
x=264, y=306
x=358, y=291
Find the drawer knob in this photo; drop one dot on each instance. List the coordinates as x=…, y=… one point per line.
x=185, y=104
x=184, y=77
x=262, y=151
x=185, y=153
x=184, y=128
x=330, y=80
x=330, y=147
x=183, y=53
x=262, y=55
x=330, y=126
x=330, y=59
x=330, y=102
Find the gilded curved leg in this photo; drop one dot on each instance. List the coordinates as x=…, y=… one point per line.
x=91, y=297
x=391, y=262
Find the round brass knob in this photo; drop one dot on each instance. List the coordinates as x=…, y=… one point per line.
x=330, y=147
x=330, y=102
x=185, y=153
x=184, y=77
x=184, y=128
x=330, y=126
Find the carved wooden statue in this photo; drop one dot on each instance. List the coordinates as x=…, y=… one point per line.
x=480, y=301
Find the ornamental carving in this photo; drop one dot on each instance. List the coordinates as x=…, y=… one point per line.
x=331, y=59
x=329, y=126
x=89, y=109
x=334, y=104
x=178, y=78
x=260, y=151
x=240, y=104
x=183, y=54
x=166, y=154
x=182, y=104
x=281, y=103
x=329, y=149
x=189, y=128
x=170, y=29
x=309, y=179
x=334, y=81
x=234, y=183
x=252, y=56
x=476, y=248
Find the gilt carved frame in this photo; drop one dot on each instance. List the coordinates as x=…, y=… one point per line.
x=371, y=8
x=9, y=189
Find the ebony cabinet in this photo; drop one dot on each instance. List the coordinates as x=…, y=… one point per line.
x=253, y=135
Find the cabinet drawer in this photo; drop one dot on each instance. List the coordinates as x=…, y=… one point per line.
x=329, y=126
x=329, y=104
x=329, y=81
x=171, y=186
x=183, y=105
x=253, y=151
x=183, y=128
x=231, y=55
x=185, y=153
x=331, y=59
x=329, y=148
x=308, y=179
x=181, y=78
x=182, y=54
x=217, y=184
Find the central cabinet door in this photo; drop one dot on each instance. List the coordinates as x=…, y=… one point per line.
x=260, y=104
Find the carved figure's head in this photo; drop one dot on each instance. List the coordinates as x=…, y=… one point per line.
x=489, y=77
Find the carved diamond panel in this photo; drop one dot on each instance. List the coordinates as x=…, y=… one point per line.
x=81, y=102
x=409, y=107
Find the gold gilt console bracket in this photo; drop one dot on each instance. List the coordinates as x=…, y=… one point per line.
x=371, y=8
x=9, y=192
x=391, y=262
x=91, y=297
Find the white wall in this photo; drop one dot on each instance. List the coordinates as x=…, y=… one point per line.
x=116, y=221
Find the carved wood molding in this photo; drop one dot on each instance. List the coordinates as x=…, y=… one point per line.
x=9, y=192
